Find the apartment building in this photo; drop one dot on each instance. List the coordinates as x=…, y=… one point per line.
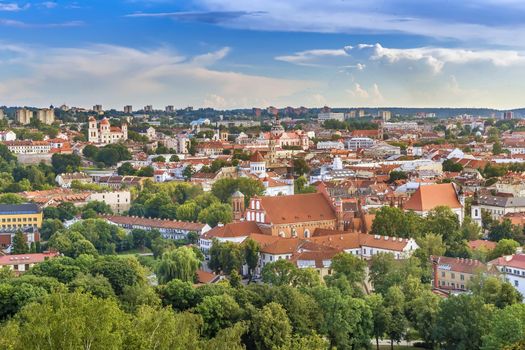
x=20, y=216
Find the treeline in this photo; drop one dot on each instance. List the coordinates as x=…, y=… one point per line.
x=182, y=201
x=107, y=302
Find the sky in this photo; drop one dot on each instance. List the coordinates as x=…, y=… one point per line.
x=256, y=53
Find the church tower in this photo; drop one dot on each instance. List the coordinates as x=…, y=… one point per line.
x=93, y=130
x=238, y=205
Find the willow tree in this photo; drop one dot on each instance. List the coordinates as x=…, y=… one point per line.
x=181, y=263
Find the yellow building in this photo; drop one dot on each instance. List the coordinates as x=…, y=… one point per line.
x=19, y=216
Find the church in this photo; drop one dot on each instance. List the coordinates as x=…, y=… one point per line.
x=290, y=216
x=104, y=133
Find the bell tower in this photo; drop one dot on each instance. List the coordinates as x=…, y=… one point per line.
x=238, y=206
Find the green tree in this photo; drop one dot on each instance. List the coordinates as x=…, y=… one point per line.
x=279, y=273
x=126, y=169
x=225, y=257
x=218, y=312
x=98, y=286
x=69, y=321
x=462, y=321
x=393, y=222
x=271, y=328
x=11, y=198
x=300, y=166
x=450, y=165
x=251, y=256
x=494, y=291
x=424, y=312
x=507, y=327
x=178, y=294
x=215, y=214
x=380, y=316
x=397, y=325
x=188, y=172
x=504, y=247
x=119, y=271
x=396, y=175
x=19, y=245
x=180, y=263
x=65, y=163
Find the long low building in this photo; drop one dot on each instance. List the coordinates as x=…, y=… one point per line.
x=169, y=229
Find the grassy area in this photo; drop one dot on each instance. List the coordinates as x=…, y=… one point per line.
x=396, y=347
x=133, y=252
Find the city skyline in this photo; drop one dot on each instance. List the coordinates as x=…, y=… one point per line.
x=239, y=54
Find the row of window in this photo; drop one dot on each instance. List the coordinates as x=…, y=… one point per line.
x=19, y=219
x=453, y=276
x=453, y=285
x=18, y=225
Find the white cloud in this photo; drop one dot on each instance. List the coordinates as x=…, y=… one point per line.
x=20, y=24
x=434, y=57
x=372, y=96
x=115, y=76
x=12, y=7
x=373, y=16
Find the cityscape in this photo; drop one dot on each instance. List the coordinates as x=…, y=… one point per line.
x=268, y=175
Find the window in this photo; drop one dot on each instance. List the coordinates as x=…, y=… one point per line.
x=462, y=277
x=364, y=250
x=443, y=274
x=271, y=258
x=453, y=275
x=516, y=283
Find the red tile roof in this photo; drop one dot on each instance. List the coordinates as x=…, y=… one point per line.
x=34, y=258
x=431, y=196
x=481, y=243
x=297, y=208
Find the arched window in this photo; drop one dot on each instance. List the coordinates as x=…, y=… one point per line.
x=306, y=234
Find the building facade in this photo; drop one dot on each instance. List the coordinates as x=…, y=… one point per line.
x=20, y=216
x=104, y=133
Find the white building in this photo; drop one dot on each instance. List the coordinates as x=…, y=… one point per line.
x=322, y=117
x=28, y=147
x=46, y=115
x=119, y=201
x=7, y=135
x=23, y=116
x=512, y=268
x=356, y=143
x=330, y=145
x=105, y=133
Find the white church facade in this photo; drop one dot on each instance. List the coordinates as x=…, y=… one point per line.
x=104, y=133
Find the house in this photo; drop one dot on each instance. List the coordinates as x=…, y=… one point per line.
x=169, y=229
x=7, y=135
x=23, y=262
x=429, y=197
x=64, y=180
x=364, y=245
x=234, y=232
x=31, y=235
x=454, y=274
x=512, y=268
x=496, y=206
x=28, y=146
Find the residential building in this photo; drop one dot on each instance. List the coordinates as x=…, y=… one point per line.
x=2, y=114
x=385, y=115
x=7, y=135
x=496, y=206
x=28, y=146
x=98, y=109
x=20, y=216
x=105, y=133
x=169, y=109
x=329, y=145
x=148, y=109
x=454, y=274
x=31, y=235
x=169, y=229
x=356, y=143
x=21, y=263
x=66, y=179
x=322, y=117
x=128, y=109
x=46, y=115
x=508, y=115
x=119, y=201
x=512, y=269
x=23, y=116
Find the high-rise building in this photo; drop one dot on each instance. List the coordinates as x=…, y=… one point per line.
x=361, y=113
x=46, y=115
x=128, y=109
x=170, y=109
x=386, y=115
x=2, y=115
x=98, y=108
x=508, y=115
x=148, y=108
x=23, y=116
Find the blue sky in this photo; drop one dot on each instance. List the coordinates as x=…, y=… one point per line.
x=245, y=53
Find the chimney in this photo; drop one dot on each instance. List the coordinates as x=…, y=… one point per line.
x=435, y=270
